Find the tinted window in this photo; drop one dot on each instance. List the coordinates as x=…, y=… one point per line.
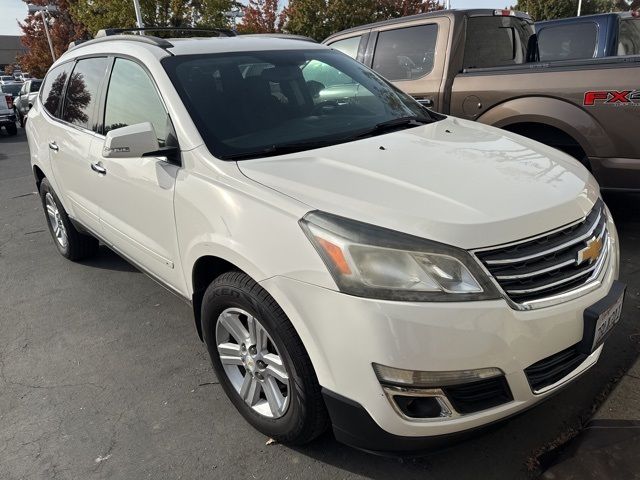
x=496, y=41
x=132, y=98
x=299, y=100
x=567, y=42
x=12, y=88
x=35, y=85
x=348, y=46
x=51, y=91
x=82, y=91
x=407, y=53
x=629, y=37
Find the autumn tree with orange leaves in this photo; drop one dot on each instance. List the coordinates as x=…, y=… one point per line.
x=262, y=16
x=63, y=30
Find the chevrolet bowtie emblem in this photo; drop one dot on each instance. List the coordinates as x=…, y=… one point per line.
x=591, y=252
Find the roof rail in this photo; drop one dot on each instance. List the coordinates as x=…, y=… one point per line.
x=222, y=32
x=148, y=39
x=284, y=36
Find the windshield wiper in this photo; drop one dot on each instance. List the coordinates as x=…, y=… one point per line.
x=279, y=149
x=394, y=124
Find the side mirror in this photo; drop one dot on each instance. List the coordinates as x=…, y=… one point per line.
x=131, y=141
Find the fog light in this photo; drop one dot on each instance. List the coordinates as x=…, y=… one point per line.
x=414, y=378
x=418, y=407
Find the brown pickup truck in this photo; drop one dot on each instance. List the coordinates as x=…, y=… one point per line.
x=482, y=65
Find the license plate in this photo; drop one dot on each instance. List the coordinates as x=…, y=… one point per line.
x=600, y=318
x=606, y=322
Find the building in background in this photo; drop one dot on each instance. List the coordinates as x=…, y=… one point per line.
x=10, y=48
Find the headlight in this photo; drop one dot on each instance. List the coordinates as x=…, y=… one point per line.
x=375, y=262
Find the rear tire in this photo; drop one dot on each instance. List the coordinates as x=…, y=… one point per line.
x=21, y=119
x=12, y=129
x=299, y=415
x=71, y=244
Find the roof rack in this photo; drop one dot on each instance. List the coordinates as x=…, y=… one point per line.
x=284, y=36
x=109, y=34
x=222, y=32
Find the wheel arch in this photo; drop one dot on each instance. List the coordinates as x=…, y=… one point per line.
x=39, y=175
x=558, y=115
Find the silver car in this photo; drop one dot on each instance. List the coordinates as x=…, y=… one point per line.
x=25, y=98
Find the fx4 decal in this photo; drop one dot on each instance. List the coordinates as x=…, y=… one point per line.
x=623, y=97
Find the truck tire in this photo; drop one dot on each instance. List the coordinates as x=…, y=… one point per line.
x=12, y=129
x=267, y=373
x=71, y=244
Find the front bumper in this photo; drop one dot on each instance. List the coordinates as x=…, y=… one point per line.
x=344, y=335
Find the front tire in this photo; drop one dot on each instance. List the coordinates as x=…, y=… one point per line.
x=260, y=361
x=68, y=240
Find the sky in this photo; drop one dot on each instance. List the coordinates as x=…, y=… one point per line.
x=13, y=10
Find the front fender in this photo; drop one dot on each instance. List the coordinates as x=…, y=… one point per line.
x=561, y=114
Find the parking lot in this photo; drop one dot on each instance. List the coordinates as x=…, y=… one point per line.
x=102, y=374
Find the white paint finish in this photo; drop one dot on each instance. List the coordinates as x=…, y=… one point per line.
x=474, y=187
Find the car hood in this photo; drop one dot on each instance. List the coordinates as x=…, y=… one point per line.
x=452, y=181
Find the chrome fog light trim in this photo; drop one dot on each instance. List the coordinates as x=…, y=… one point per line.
x=446, y=409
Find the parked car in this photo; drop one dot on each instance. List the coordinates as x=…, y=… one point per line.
x=6, y=79
x=7, y=115
x=366, y=262
x=589, y=36
x=25, y=98
x=480, y=65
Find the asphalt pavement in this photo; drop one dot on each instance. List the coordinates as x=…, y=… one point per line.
x=102, y=374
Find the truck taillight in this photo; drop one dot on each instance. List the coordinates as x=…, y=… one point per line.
x=504, y=13
x=9, y=99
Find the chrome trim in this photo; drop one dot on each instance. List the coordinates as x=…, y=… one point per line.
x=593, y=283
x=550, y=250
x=448, y=412
x=588, y=362
x=593, y=268
x=537, y=272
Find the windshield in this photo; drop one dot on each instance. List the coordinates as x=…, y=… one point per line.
x=252, y=104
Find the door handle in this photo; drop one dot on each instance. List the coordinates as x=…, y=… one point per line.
x=425, y=102
x=96, y=167
x=54, y=146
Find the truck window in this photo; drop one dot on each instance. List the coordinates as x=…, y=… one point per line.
x=348, y=46
x=406, y=53
x=568, y=42
x=629, y=39
x=496, y=41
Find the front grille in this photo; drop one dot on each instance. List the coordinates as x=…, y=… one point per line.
x=548, y=265
x=554, y=368
x=480, y=395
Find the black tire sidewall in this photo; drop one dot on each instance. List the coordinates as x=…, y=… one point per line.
x=218, y=299
x=45, y=187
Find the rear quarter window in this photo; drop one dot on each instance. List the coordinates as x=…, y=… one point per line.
x=348, y=46
x=53, y=86
x=568, y=42
x=496, y=41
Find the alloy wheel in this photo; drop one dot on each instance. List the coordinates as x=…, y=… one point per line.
x=55, y=220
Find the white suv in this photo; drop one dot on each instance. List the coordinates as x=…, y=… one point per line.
x=352, y=258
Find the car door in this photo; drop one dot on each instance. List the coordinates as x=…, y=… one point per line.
x=413, y=57
x=136, y=193
x=73, y=136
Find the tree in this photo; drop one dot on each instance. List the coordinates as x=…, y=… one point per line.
x=320, y=18
x=62, y=28
x=261, y=16
x=99, y=14
x=549, y=9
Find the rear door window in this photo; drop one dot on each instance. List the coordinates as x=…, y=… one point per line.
x=629, y=40
x=568, y=42
x=51, y=92
x=406, y=53
x=82, y=92
x=348, y=46
x=496, y=41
